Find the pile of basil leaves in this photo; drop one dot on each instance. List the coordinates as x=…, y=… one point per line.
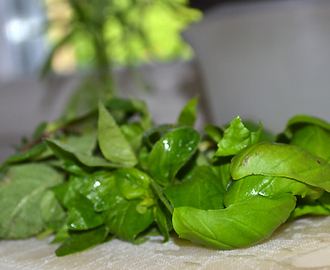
x=113, y=173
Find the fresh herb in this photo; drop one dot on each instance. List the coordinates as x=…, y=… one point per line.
x=113, y=173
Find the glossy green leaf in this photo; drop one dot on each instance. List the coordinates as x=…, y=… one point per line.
x=80, y=241
x=236, y=138
x=241, y=190
x=203, y=184
x=239, y=225
x=20, y=193
x=188, y=114
x=171, y=152
x=133, y=183
x=113, y=143
x=290, y=161
x=82, y=215
x=50, y=208
x=125, y=221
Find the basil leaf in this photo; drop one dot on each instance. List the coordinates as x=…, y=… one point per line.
x=133, y=134
x=82, y=215
x=241, y=190
x=125, y=221
x=141, y=107
x=171, y=152
x=25, y=156
x=313, y=139
x=203, y=184
x=308, y=207
x=214, y=132
x=237, y=137
x=221, y=167
x=133, y=183
x=300, y=120
x=80, y=241
x=20, y=193
x=188, y=114
x=239, y=225
x=113, y=143
x=73, y=157
x=282, y=160
x=50, y=209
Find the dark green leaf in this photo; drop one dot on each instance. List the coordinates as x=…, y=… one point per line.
x=133, y=183
x=164, y=220
x=25, y=156
x=171, y=152
x=82, y=215
x=125, y=221
x=202, y=191
x=80, y=241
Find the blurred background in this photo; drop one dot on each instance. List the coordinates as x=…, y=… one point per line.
x=263, y=60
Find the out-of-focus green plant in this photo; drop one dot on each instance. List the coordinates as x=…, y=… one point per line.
x=105, y=34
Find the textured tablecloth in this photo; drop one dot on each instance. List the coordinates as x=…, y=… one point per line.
x=301, y=244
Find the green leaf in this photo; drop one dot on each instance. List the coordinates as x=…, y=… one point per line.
x=133, y=183
x=82, y=215
x=308, y=207
x=113, y=143
x=80, y=241
x=133, y=134
x=236, y=138
x=171, y=152
x=300, y=120
x=189, y=113
x=221, y=167
x=125, y=221
x=214, y=132
x=202, y=191
x=241, y=190
x=26, y=155
x=163, y=219
x=282, y=160
x=314, y=139
x=141, y=107
x=239, y=225
x=73, y=157
x=51, y=210
x=20, y=193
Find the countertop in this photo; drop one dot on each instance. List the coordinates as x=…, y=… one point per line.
x=301, y=244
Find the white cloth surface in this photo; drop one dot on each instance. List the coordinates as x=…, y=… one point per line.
x=301, y=244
